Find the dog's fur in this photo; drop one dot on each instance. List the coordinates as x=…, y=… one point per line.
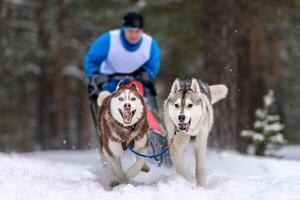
x=122, y=119
x=188, y=116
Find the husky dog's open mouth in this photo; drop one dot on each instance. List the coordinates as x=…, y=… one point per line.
x=184, y=126
x=127, y=115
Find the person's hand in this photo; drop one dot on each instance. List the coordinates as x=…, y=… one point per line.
x=99, y=79
x=143, y=77
x=96, y=82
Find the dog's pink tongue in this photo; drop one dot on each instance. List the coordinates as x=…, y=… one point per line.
x=187, y=127
x=127, y=114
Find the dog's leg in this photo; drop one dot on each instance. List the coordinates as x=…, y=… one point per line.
x=117, y=175
x=137, y=166
x=112, y=176
x=113, y=180
x=200, y=150
x=177, y=151
x=117, y=167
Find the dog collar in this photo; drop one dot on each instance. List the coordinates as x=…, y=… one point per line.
x=124, y=144
x=192, y=137
x=127, y=127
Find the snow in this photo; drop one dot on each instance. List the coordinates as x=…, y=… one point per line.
x=275, y=127
x=269, y=98
x=273, y=118
x=63, y=175
x=257, y=137
x=261, y=114
x=277, y=138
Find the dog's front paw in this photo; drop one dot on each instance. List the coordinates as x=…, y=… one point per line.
x=114, y=183
x=145, y=168
x=200, y=181
x=124, y=179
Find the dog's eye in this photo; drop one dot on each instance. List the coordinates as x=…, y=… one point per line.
x=121, y=99
x=133, y=99
x=176, y=105
x=190, y=105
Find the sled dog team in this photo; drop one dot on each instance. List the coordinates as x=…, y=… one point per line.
x=188, y=117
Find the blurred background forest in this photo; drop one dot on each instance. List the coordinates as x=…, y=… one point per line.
x=249, y=45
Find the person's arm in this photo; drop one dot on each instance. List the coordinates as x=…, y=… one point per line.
x=152, y=65
x=96, y=55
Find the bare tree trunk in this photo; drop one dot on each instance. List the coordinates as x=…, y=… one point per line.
x=22, y=118
x=257, y=40
x=276, y=64
x=89, y=133
x=2, y=8
x=249, y=60
x=44, y=85
x=80, y=143
x=245, y=77
x=83, y=134
x=3, y=109
x=253, y=78
x=221, y=63
x=276, y=73
x=260, y=149
x=63, y=106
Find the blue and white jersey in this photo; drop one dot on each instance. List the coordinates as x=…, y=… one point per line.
x=111, y=54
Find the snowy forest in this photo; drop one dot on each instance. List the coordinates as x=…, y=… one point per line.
x=250, y=46
x=49, y=147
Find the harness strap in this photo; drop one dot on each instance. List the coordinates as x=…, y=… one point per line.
x=130, y=147
x=147, y=156
x=124, y=145
x=192, y=137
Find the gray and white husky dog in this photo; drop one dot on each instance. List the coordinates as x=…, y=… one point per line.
x=188, y=116
x=122, y=120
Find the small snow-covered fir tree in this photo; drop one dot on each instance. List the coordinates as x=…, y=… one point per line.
x=266, y=136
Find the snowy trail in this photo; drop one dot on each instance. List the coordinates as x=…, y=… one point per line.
x=82, y=175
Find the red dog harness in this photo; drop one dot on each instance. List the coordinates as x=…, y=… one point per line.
x=152, y=121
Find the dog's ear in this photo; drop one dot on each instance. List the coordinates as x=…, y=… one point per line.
x=175, y=86
x=120, y=84
x=195, y=86
x=102, y=96
x=134, y=86
x=138, y=86
x=218, y=92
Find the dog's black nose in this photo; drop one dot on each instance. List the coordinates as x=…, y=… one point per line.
x=127, y=106
x=181, y=118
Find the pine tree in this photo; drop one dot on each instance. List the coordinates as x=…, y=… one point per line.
x=266, y=136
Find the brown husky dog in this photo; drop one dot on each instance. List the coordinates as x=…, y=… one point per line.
x=122, y=121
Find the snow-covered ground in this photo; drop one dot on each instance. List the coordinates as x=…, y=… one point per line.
x=82, y=175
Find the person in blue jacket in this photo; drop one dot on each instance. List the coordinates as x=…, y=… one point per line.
x=126, y=53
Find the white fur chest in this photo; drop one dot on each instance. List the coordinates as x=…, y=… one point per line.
x=116, y=148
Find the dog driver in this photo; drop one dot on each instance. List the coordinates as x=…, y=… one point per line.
x=123, y=54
